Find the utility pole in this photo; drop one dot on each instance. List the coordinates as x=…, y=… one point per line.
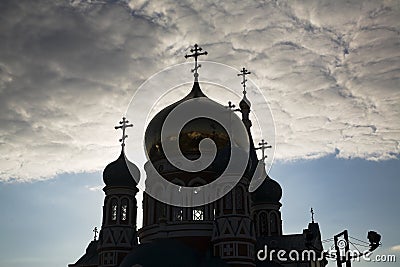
x=339, y=246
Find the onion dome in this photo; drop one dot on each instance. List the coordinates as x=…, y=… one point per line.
x=244, y=104
x=190, y=136
x=269, y=191
x=121, y=172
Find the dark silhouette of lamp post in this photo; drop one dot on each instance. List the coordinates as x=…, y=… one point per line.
x=374, y=242
x=340, y=244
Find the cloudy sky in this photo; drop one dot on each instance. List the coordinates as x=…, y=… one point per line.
x=68, y=69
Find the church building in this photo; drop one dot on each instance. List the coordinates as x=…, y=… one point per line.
x=239, y=229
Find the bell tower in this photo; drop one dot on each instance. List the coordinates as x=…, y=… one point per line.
x=234, y=234
x=118, y=231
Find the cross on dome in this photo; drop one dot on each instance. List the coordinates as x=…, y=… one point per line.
x=95, y=233
x=312, y=214
x=123, y=126
x=243, y=73
x=263, y=145
x=196, y=53
x=230, y=105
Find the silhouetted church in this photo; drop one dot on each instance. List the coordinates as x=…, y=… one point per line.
x=227, y=232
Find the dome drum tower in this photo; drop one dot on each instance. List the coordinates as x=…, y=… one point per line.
x=118, y=234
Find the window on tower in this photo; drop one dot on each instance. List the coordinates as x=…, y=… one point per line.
x=177, y=213
x=263, y=224
x=159, y=211
x=228, y=206
x=198, y=214
x=274, y=223
x=114, y=208
x=124, y=210
x=239, y=200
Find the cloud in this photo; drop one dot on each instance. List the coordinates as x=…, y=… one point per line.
x=395, y=248
x=94, y=188
x=330, y=70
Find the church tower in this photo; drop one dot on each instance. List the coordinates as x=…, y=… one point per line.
x=118, y=231
x=234, y=234
x=266, y=207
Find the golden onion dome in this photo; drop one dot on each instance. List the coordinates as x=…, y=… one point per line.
x=189, y=137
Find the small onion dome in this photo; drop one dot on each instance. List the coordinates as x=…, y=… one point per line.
x=244, y=103
x=121, y=172
x=268, y=192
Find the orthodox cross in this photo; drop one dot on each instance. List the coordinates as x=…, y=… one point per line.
x=95, y=233
x=312, y=214
x=243, y=73
x=123, y=126
x=196, y=53
x=228, y=250
x=230, y=105
x=263, y=146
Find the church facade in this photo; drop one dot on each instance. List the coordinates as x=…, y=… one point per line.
x=238, y=229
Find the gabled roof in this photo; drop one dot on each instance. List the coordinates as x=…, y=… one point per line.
x=90, y=258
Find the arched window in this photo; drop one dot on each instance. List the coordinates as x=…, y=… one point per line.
x=239, y=200
x=150, y=209
x=274, y=223
x=263, y=224
x=228, y=203
x=124, y=210
x=177, y=213
x=159, y=212
x=113, y=210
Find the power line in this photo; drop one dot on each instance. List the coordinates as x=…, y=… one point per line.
x=355, y=247
x=359, y=240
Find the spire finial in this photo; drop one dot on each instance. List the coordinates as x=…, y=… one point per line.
x=123, y=126
x=263, y=145
x=243, y=73
x=95, y=233
x=196, y=53
x=312, y=215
